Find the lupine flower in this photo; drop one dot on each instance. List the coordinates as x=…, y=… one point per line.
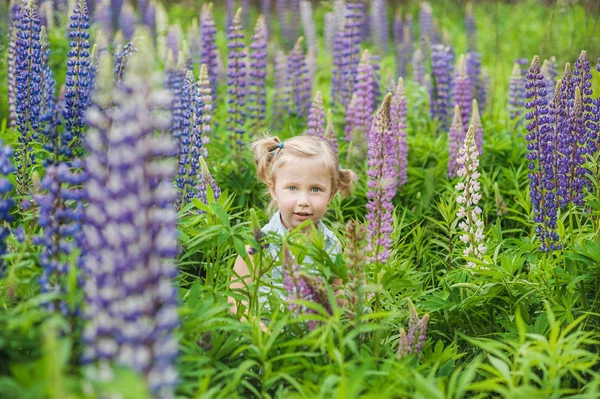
x=175, y=75
x=127, y=20
x=329, y=27
x=541, y=158
x=12, y=65
x=316, y=118
x=365, y=99
x=184, y=180
x=207, y=109
x=329, y=135
x=455, y=137
x=122, y=56
x=208, y=45
x=311, y=64
x=298, y=285
x=476, y=79
x=258, y=73
x=380, y=25
x=48, y=103
x=398, y=120
x=351, y=39
x=354, y=291
x=375, y=59
x=382, y=180
x=78, y=80
x=425, y=28
x=441, y=66
x=236, y=80
x=462, y=91
x=6, y=203
x=469, y=212
x=516, y=99
x=308, y=23
x=406, y=52
x=548, y=80
x=582, y=78
x=351, y=119
x=571, y=144
x=115, y=11
x=130, y=232
x=299, y=84
x=428, y=85
x=142, y=7
x=103, y=17
x=205, y=180
x=471, y=28
x=418, y=65
x=417, y=334
x=28, y=93
x=149, y=18
x=174, y=39
x=397, y=29
x=61, y=211
x=193, y=33
x=476, y=123
x=281, y=98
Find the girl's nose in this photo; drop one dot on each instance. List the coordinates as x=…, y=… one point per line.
x=303, y=200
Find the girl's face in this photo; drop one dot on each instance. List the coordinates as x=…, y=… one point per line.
x=302, y=191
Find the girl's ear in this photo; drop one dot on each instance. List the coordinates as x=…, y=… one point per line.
x=272, y=191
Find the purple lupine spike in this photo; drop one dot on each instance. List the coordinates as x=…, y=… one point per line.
x=469, y=213
x=582, y=78
x=50, y=117
x=300, y=286
x=316, y=118
x=149, y=18
x=382, y=184
x=418, y=66
x=516, y=99
x=375, y=59
x=425, y=28
x=311, y=64
x=398, y=118
x=103, y=17
x=476, y=123
x=338, y=65
x=6, y=202
x=406, y=52
x=428, y=85
x=236, y=80
x=380, y=25
x=115, y=11
x=127, y=20
x=257, y=76
x=281, y=98
x=142, y=7
x=11, y=72
x=412, y=343
x=174, y=82
x=130, y=231
x=455, y=138
x=265, y=9
x=61, y=212
x=207, y=108
x=351, y=49
x=174, y=39
x=208, y=45
x=365, y=98
x=397, y=39
x=462, y=92
x=77, y=81
x=205, y=180
x=541, y=158
x=476, y=78
x=28, y=93
x=122, y=56
x=183, y=181
x=547, y=80
x=329, y=28
x=442, y=72
x=330, y=135
x=308, y=24
x=471, y=28
x=299, y=83
x=193, y=33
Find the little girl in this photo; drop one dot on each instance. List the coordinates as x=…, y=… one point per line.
x=303, y=175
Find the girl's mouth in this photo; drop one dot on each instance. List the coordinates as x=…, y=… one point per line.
x=302, y=214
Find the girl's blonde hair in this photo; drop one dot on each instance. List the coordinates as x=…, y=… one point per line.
x=270, y=153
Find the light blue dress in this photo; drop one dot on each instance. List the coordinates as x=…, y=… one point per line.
x=332, y=247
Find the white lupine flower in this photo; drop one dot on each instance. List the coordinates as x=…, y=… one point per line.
x=471, y=225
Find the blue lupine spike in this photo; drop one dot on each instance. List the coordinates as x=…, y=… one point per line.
x=236, y=80
x=6, y=202
x=258, y=73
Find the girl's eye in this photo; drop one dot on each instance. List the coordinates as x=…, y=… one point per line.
x=292, y=188
x=316, y=189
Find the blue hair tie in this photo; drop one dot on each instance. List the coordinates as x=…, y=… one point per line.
x=280, y=146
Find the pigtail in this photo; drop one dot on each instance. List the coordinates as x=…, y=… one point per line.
x=346, y=180
x=263, y=151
